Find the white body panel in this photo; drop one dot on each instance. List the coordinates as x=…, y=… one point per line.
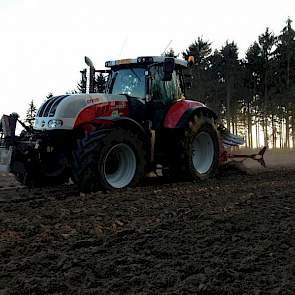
x=70, y=107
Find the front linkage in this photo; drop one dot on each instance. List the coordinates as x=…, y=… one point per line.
x=30, y=156
x=17, y=153
x=7, y=140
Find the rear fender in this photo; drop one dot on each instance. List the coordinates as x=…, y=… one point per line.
x=180, y=112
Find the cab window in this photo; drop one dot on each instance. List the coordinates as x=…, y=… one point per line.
x=130, y=81
x=165, y=91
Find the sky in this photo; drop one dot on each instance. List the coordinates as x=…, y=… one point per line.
x=43, y=42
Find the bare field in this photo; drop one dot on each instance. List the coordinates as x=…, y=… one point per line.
x=7, y=180
x=234, y=234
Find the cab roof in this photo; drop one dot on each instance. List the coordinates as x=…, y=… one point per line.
x=143, y=60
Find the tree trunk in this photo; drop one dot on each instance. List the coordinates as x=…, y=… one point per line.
x=265, y=130
x=257, y=134
x=249, y=125
x=274, y=131
x=281, y=132
x=293, y=131
x=249, y=135
x=287, y=141
x=228, y=112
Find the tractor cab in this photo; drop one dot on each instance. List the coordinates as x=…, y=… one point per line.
x=150, y=84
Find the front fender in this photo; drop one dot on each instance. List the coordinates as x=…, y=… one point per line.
x=123, y=122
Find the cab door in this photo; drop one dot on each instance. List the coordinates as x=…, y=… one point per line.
x=163, y=94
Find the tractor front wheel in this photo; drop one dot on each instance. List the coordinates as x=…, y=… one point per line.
x=108, y=160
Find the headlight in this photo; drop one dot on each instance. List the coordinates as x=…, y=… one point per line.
x=54, y=123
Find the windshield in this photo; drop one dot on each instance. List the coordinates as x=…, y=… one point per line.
x=130, y=81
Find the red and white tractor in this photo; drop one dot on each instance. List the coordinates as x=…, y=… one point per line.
x=111, y=140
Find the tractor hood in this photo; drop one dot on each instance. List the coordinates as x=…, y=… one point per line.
x=61, y=112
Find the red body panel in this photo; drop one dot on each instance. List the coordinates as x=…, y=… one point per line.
x=177, y=110
x=104, y=109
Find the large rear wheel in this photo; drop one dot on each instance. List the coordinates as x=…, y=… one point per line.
x=200, y=148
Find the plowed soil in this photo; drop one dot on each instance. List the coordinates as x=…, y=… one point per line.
x=234, y=234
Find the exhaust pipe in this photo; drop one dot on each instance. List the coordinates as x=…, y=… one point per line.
x=89, y=63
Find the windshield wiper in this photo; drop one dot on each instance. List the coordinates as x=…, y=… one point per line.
x=127, y=95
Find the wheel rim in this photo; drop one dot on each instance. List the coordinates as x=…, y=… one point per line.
x=119, y=166
x=202, y=152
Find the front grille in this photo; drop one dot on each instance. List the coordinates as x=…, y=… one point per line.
x=49, y=107
x=55, y=104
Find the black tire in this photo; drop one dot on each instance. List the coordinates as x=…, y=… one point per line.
x=104, y=156
x=30, y=172
x=39, y=180
x=200, y=148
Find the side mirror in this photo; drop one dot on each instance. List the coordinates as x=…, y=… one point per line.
x=168, y=68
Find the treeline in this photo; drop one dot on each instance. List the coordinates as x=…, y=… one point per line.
x=254, y=95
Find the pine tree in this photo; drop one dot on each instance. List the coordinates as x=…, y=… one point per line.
x=201, y=80
x=252, y=78
x=266, y=43
x=100, y=84
x=286, y=53
x=200, y=50
x=226, y=67
x=31, y=114
x=83, y=82
x=285, y=78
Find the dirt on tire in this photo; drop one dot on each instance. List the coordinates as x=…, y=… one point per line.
x=234, y=234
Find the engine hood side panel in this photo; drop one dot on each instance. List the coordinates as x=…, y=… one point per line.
x=75, y=109
x=104, y=109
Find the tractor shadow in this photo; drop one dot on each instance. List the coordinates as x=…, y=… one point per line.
x=232, y=169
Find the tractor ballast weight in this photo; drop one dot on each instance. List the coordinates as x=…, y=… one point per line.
x=111, y=140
